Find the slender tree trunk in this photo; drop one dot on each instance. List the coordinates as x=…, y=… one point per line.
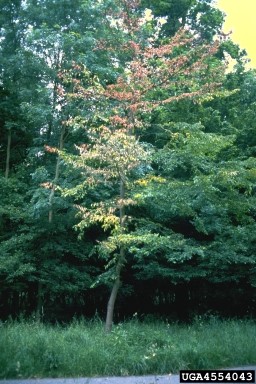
x=58, y=58
x=119, y=265
x=50, y=123
x=56, y=178
x=8, y=154
x=112, y=298
x=39, y=310
x=39, y=307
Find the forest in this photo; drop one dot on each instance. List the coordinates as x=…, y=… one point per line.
x=127, y=162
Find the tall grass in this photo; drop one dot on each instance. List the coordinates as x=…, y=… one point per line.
x=30, y=349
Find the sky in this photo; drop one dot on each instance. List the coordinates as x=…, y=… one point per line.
x=241, y=19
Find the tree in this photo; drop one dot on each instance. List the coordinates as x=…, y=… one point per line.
x=200, y=15
x=12, y=85
x=157, y=74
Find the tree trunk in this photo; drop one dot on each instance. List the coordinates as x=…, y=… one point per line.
x=112, y=300
x=8, y=153
x=39, y=307
x=119, y=266
x=57, y=173
x=50, y=122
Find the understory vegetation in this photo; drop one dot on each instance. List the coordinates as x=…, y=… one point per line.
x=35, y=350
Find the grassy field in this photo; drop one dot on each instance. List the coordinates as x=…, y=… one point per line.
x=30, y=349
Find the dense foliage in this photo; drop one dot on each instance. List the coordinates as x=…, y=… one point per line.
x=127, y=161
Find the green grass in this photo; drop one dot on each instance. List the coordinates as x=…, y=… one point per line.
x=30, y=349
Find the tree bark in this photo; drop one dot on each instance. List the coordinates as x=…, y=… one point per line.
x=119, y=265
x=112, y=299
x=8, y=154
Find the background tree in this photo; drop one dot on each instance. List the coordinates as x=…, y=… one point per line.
x=201, y=16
